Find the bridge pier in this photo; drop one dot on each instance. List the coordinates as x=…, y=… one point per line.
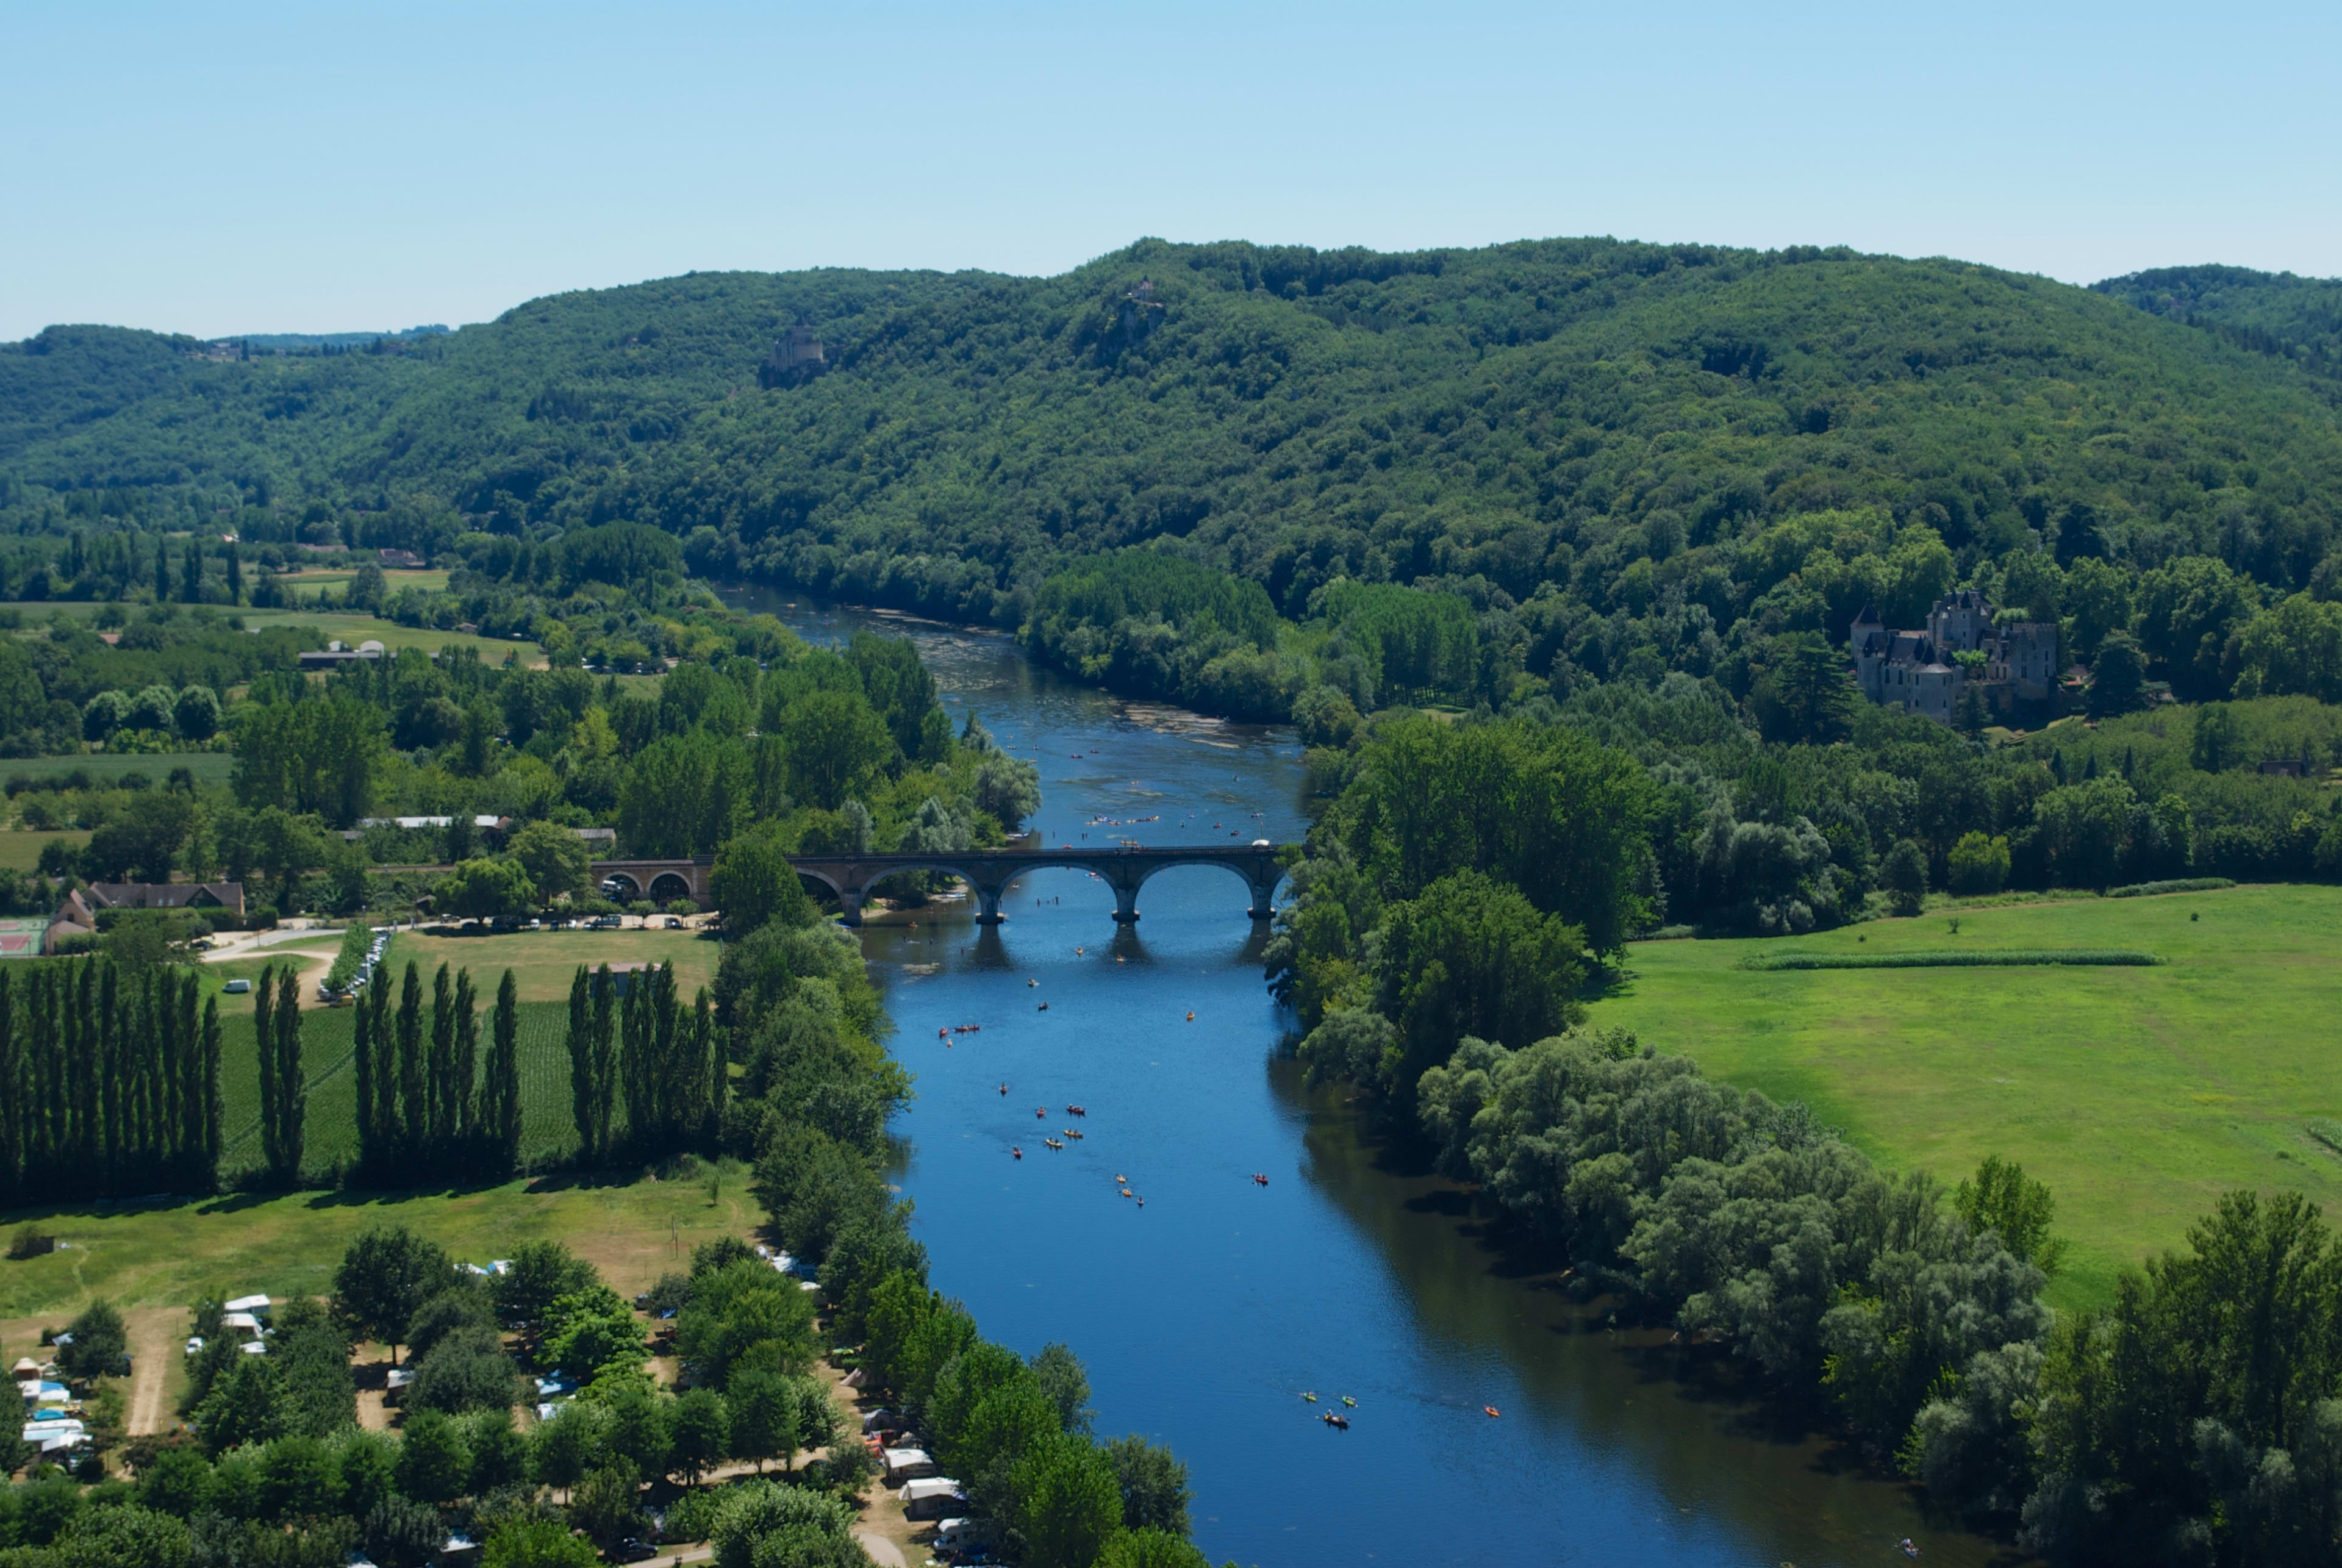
x=1264, y=894
x=850, y=904
x=987, y=903
x=1126, y=905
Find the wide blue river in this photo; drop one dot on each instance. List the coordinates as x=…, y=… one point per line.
x=1205, y=1314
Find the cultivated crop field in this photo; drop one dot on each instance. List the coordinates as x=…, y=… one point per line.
x=2140, y=1094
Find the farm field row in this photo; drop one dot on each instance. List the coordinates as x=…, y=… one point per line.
x=2140, y=1095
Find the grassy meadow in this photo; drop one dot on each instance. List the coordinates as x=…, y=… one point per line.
x=542, y=964
x=2138, y=1094
x=352, y=630
x=169, y=1254
x=106, y=769
x=21, y=852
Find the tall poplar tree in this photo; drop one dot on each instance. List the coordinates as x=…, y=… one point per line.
x=443, y=1058
x=362, y=1067
x=292, y=1091
x=501, y=1092
x=264, y=1033
x=376, y=1000
x=581, y=1063
x=214, y=1103
x=606, y=1065
x=463, y=1063
x=414, y=1105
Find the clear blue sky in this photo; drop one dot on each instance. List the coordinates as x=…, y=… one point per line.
x=246, y=168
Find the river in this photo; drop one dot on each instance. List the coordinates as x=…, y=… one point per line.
x=1205, y=1314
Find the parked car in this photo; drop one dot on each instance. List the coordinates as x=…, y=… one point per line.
x=632, y=1550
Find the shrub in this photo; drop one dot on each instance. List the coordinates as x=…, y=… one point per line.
x=2180, y=885
x=2013, y=958
x=31, y=1242
x=1978, y=865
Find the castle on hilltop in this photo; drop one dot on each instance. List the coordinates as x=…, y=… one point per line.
x=796, y=357
x=1925, y=672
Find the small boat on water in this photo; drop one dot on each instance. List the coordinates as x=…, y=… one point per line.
x=1489, y=1411
x=1309, y=1396
x=1339, y=1423
x=1041, y=1113
x=1016, y=1151
x=1348, y=1400
x=1128, y=1193
x=1032, y=983
x=1004, y=1089
x=1076, y=1110
x=1052, y=1143
x=1045, y=1007
x=1259, y=1179
x=1072, y=1132
x=1191, y=1016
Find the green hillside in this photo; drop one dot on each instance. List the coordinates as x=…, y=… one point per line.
x=1596, y=441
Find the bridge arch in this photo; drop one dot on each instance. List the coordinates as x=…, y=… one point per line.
x=667, y=886
x=628, y=889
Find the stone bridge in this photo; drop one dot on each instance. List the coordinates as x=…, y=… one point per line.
x=660, y=881
x=990, y=871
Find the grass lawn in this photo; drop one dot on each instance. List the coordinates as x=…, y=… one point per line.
x=311, y=582
x=352, y=630
x=2138, y=1094
x=169, y=1255
x=21, y=852
x=543, y=962
x=104, y=768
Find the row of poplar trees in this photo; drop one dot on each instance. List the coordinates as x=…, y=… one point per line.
x=426, y=1108
x=283, y=1091
x=643, y=1045
x=109, y=1084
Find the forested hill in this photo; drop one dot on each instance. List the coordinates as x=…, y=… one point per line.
x=1616, y=422
x=2295, y=319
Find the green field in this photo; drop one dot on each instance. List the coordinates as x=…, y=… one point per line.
x=22, y=850
x=352, y=630
x=329, y=1045
x=545, y=962
x=542, y=963
x=2138, y=1094
x=105, y=767
x=169, y=1254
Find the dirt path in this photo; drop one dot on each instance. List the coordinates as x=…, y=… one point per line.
x=155, y=1346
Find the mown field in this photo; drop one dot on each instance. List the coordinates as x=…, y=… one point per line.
x=21, y=852
x=170, y=1255
x=542, y=963
x=2138, y=1094
x=105, y=768
x=545, y=962
x=352, y=630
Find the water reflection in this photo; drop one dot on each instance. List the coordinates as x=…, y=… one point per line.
x=1205, y=1316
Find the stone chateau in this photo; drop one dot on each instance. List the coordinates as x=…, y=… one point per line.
x=1922, y=670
